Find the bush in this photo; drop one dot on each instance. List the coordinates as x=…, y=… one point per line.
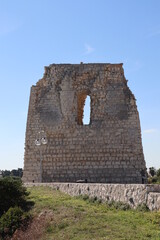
x=142, y=208
x=93, y=199
x=154, y=179
x=149, y=180
x=158, y=172
x=154, y=176
x=13, y=193
x=119, y=205
x=14, y=203
x=10, y=221
x=85, y=197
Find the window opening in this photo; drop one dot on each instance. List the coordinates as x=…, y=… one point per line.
x=84, y=109
x=87, y=111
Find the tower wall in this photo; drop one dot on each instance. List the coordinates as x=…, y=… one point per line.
x=108, y=150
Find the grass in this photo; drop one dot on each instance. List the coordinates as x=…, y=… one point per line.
x=80, y=218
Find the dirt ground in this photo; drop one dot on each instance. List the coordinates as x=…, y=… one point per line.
x=35, y=228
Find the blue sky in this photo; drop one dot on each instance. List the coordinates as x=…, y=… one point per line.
x=36, y=33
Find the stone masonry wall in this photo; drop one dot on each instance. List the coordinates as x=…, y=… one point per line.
x=132, y=194
x=107, y=150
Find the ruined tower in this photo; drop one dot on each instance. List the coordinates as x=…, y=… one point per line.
x=108, y=149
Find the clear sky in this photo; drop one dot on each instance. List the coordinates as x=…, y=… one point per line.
x=36, y=33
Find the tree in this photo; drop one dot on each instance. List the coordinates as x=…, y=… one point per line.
x=152, y=171
x=6, y=173
x=15, y=172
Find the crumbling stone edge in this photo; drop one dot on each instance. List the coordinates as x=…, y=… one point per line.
x=132, y=194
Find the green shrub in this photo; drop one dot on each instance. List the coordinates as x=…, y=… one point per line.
x=13, y=193
x=85, y=197
x=158, y=181
x=149, y=180
x=10, y=221
x=142, y=208
x=14, y=203
x=99, y=201
x=92, y=199
x=158, y=172
x=62, y=225
x=154, y=179
x=118, y=205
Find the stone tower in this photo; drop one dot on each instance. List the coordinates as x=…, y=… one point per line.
x=108, y=149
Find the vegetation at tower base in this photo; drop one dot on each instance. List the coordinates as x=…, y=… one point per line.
x=107, y=150
x=14, y=204
x=154, y=175
x=58, y=216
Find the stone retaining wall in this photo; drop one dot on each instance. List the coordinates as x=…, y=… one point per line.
x=132, y=194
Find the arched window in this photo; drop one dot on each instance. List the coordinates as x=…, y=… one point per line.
x=84, y=109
